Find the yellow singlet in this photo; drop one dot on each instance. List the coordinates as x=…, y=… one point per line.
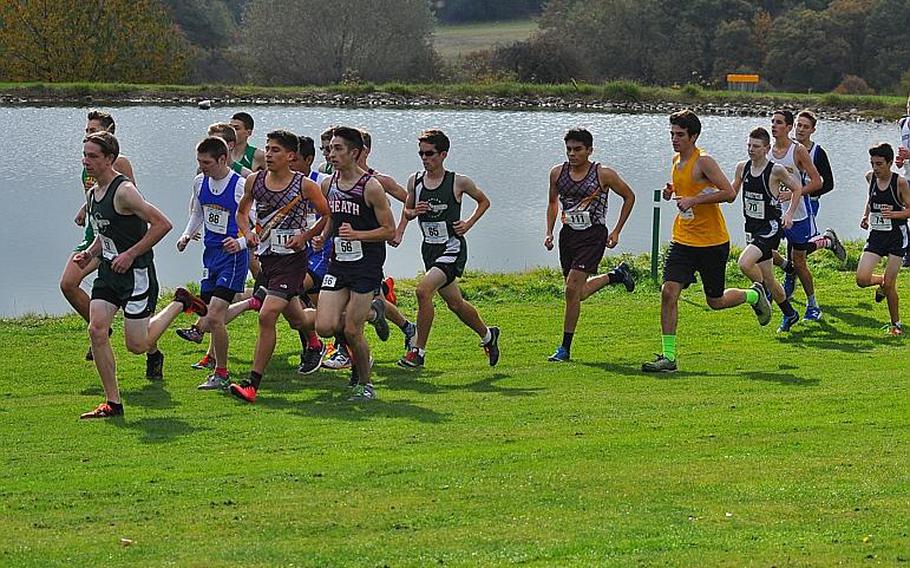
x=701, y=225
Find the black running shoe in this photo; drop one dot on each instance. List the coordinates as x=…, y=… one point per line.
x=492, y=347
x=625, y=274
x=311, y=359
x=380, y=324
x=154, y=366
x=88, y=354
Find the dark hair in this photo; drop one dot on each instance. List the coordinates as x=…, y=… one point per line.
x=105, y=118
x=327, y=133
x=367, y=139
x=223, y=130
x=687, y=120
x=106, y=141
x=788, y=116
x=809, y=115
x=352, y=136
x=435, y=137
x=305, y=146
x=761, y=134
x=245, y=118
x=579, y=135
x=214, y=146
x=882, y=150
x=285, y=138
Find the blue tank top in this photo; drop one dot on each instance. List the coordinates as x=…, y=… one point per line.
x=219, y=212
x=312, y=218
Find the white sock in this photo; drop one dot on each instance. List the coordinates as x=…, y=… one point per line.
x=488, y=337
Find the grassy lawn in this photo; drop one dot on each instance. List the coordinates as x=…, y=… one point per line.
x=452, y=41
x=763, y=450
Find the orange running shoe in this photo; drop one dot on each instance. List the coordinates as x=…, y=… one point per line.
x=388, y=290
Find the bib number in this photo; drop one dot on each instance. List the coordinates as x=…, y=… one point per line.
x=578, y=220
x=108, y=248
x=205, y=273
x=878, y=223
x=216, y=219
x=348, y=251
x=687, y=215
x=435, y=232
x=755, y=208
x=279, y=238
x=328, y=281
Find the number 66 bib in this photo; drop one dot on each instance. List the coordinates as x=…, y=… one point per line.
x=347, y=251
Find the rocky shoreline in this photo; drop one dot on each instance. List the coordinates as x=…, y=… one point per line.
x=399, y=101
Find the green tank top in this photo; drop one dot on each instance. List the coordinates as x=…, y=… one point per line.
x=237, y=167
x=87, y=180
x=118, y=232
x=247, y=160
x=436, y=224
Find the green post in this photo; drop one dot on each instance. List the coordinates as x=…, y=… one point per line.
x=655, y=234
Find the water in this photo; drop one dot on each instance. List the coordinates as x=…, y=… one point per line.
x=508, y=154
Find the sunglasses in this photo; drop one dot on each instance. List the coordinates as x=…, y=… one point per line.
x=428, y=153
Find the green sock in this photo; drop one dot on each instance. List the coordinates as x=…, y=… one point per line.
x=751, y=296
x=669, y=342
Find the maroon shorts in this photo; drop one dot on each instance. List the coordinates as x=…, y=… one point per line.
x=283, y=274
x=582, y=250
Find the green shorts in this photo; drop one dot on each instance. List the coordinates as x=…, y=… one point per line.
x=88, y=239
x=135, y=291
x=450, y=257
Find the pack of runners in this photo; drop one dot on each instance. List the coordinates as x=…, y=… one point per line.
x=314, y=240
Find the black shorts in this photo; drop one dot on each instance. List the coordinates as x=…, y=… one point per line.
x=135, y=291
x=283, y=274
x=356, y=280
x=582, y=250
x=225, y=294
x=767, y=240
x=684, y=261
x=451, y=258
x=892, y=242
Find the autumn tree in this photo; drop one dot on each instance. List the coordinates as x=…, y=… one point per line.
x=90, y=40
x=887, y=42
x=804, y=53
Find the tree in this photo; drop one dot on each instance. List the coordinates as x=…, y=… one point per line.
x=484, y=10
x=736, y=48
x=887, y=47
x=803, y=52
x=90, y=40
x=848, y=20
x=317, y=42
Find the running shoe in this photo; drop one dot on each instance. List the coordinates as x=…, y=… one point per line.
x=311, y=359
x=788, y=267
x=879, y=295
x=786, y=323
x=192, y=334
x=410, y=334
x=388, y=290
x=338, y=360
x=215, y=382
x=88, y=354
x=354, y=380
x=837, y=247
x=258, y=297
x=660, y=364
x=363, y=393
x=380, y=324
x=191, y=304
x=560, y=356
x=625, y=273
x=244, y=390
x=154, y=366
x=205, y=363
x=412, y=359
x=330, y=350
x=491, y=348
x=762, y=308
x=104, y=410
x=813, y=313
x=789, y=285
x=894, y=329
x=906, y=263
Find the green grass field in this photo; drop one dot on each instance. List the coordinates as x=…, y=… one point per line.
x=452, y=41
x=763, y=450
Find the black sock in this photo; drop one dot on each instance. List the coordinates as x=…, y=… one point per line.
x=340, y=343
x=304, y=340
x=255, y=379
x=110, y=332
x=567, y=340
x=811, y=247
x=787, y=308
x=117, y=407
x=404, y=326
x=153, y=354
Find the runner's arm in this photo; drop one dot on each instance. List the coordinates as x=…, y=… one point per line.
x=738, y=178
x=824, y=170
x=465, y=185
x=781, y=177
x=804, y=163
x=122, y=165
x=194, y=222
x=243, y=213
x=410, y=203
x=258, y=160
x=375, y=197
x=903, y=191
x=864, y=222
x=611, y=179
x=552, y=207
x=715, y=176
x=390, y=186
x=313, y=192
x=129, y=201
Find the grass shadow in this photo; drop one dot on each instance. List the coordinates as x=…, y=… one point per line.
x=334, y=404
x=158, y=430
x=781, y=376
x=151, y=395
x=858, y=320
x=823, y=335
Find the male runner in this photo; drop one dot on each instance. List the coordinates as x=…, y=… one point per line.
x=249, y=156
x=282, y=197
x=72, y=277
x=361, y=223
x=226, y=132
x=216, y=193
x=434, y=199
x=903, y=158
x=760, y=181
x=700, y=242
x=582, y=187
x=126, y=228
x=885, y=217
x=325, y=139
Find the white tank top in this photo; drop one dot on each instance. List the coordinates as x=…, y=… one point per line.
x=905, y=141
x=788, y=161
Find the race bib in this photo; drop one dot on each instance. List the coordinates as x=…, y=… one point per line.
x=578, y=220
x=279, y=238
x=755, y=208
x=878, y=223
x=435, y=232
x=205, y=273
x=347, y=251
x=216, y=219
x=687, y=215
x=328, y=281
x=108, y=248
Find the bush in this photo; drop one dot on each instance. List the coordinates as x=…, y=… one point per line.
x=542, y=59
x=853, y=85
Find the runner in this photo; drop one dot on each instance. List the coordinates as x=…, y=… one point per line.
x=361, y=223
x=584, y=235
x=226, y=132
x=249, y=156
x=435, y=199
x=760, y=181
x=325, y=139
x=885, y=217
x=903, y=158
x=216, y=193
x=282, y=198
x=126, y=228
x=72, y=277
x=700, y=242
